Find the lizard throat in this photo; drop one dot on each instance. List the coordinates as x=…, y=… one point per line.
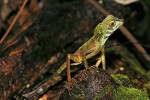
x=101, y=39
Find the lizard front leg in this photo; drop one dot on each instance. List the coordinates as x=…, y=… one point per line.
x=101, y=59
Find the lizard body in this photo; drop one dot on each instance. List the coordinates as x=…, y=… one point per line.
x=96, y=43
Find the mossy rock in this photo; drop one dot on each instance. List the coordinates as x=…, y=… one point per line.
x=97, y=84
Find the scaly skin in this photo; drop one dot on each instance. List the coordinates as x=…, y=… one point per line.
x=96, y=43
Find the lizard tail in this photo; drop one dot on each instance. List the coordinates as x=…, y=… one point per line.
x=63, y=67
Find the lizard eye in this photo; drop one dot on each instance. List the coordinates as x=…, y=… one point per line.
x=112, y=23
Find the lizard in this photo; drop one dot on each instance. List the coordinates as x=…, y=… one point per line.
x=93, y=46
x=89, y=49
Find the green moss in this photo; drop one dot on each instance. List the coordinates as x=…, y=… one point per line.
x=78, y=96
x=119, y=77
x=126, y=89
x=122, y=76
x=125, y=93
x=147, y=84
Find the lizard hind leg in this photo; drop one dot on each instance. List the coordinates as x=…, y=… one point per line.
x=77, y=59
x=68, y=68
x=74, y=58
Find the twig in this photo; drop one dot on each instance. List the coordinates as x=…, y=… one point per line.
x=124, y=30
x=40, y=88
x=132, y=39
x=14, y=21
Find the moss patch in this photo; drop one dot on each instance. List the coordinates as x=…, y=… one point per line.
x=125, y=93
x=123, y=80
x=120, y=78
x=127, y=90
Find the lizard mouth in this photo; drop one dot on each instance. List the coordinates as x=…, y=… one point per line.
x=120, y=23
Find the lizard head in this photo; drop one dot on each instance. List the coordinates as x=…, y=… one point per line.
x=108, y=26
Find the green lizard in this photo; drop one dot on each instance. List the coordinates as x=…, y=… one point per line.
x=89, y=49
x=93, y=46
